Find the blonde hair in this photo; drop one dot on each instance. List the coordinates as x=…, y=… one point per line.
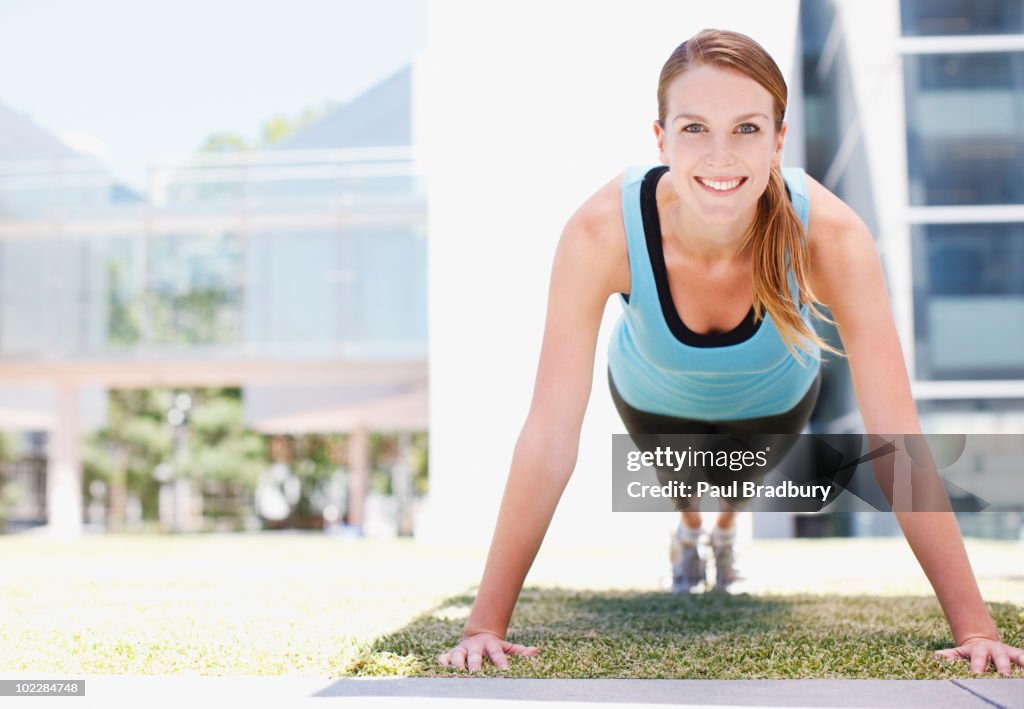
x=776, y=227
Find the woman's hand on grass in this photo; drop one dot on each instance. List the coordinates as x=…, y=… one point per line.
x=471, y=651
x=979, y=650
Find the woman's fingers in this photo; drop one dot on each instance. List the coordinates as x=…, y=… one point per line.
x=470, y=653
x=979, y=658
x=978, y=654
x=513, y=649
x=496, y=654
x=457, y=657
x=1002, y=662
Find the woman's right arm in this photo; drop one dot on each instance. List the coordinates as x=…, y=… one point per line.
x=589, y=265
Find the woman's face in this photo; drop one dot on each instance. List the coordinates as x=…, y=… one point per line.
x=719, y=142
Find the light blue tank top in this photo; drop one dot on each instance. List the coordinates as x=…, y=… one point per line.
x=654, y=371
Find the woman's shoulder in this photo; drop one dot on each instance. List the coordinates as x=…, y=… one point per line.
x=596, y=229
x=836, y=235
x=829, y=215
x=599, y=219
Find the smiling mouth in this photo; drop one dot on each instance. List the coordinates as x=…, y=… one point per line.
x=721, y=186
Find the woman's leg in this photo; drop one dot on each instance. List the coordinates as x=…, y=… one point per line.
x=723, y=536
x=691, y=518
x=688, y=565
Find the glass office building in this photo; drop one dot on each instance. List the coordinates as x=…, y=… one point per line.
x=965, y=150
x=938, y=176
x=297, y=273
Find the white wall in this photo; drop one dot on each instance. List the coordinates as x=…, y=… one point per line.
x=523, y=110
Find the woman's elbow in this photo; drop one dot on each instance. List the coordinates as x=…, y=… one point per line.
x=552, y=454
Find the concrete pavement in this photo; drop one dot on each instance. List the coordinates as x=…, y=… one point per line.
x=495, y=693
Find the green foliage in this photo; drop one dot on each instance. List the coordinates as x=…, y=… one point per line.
x=125, y=309
x=218, y=451
x=11, y=493
x=277, y=129
x=136, y=439
x=313, y=466
x=193, y=294
x=384, y=453
x=224, y=143
x=220, y=446
x=10, y=446
x=215, y=444
x=273, y=131
x=280, y=128
x=137, y=436
x=419, y=462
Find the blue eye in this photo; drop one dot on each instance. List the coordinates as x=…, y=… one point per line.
x=698, y=126
x=751, y=126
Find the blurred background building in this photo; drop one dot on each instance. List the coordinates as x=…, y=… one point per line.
x=298, y=272
x=914, y=115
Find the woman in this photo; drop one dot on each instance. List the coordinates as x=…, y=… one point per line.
x=727, y=238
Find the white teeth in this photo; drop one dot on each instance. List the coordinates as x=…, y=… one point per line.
x=717, y=185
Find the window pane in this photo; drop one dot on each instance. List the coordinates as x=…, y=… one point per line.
x=938, y=17
x=965, y=128
x=969, y=301
x=820, y=94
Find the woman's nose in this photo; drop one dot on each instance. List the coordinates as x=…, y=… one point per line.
x=719, y=153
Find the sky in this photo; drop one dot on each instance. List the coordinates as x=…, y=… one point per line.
x=129, y=80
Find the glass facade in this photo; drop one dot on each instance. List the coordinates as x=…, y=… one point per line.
x=821, y=99
x=964, y=135
x=965, y=128
x=969, y=301
x=965, y=148
x=961, y=17
x=306, y=254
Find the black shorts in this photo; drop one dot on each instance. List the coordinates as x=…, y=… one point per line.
x=758, y=432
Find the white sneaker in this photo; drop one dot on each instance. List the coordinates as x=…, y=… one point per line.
x=723, y=548
x=688, y=566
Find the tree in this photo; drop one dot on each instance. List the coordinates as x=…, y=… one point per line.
x=224, y=457
x=280, y=128
x=124, y=454
x=10, y=494
x=221, y=456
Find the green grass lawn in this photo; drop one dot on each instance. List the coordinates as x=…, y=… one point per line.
x=312, y=605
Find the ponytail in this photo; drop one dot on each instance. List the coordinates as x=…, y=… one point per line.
x=776, y=229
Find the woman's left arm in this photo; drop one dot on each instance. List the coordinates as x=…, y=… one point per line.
x=846, y=275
